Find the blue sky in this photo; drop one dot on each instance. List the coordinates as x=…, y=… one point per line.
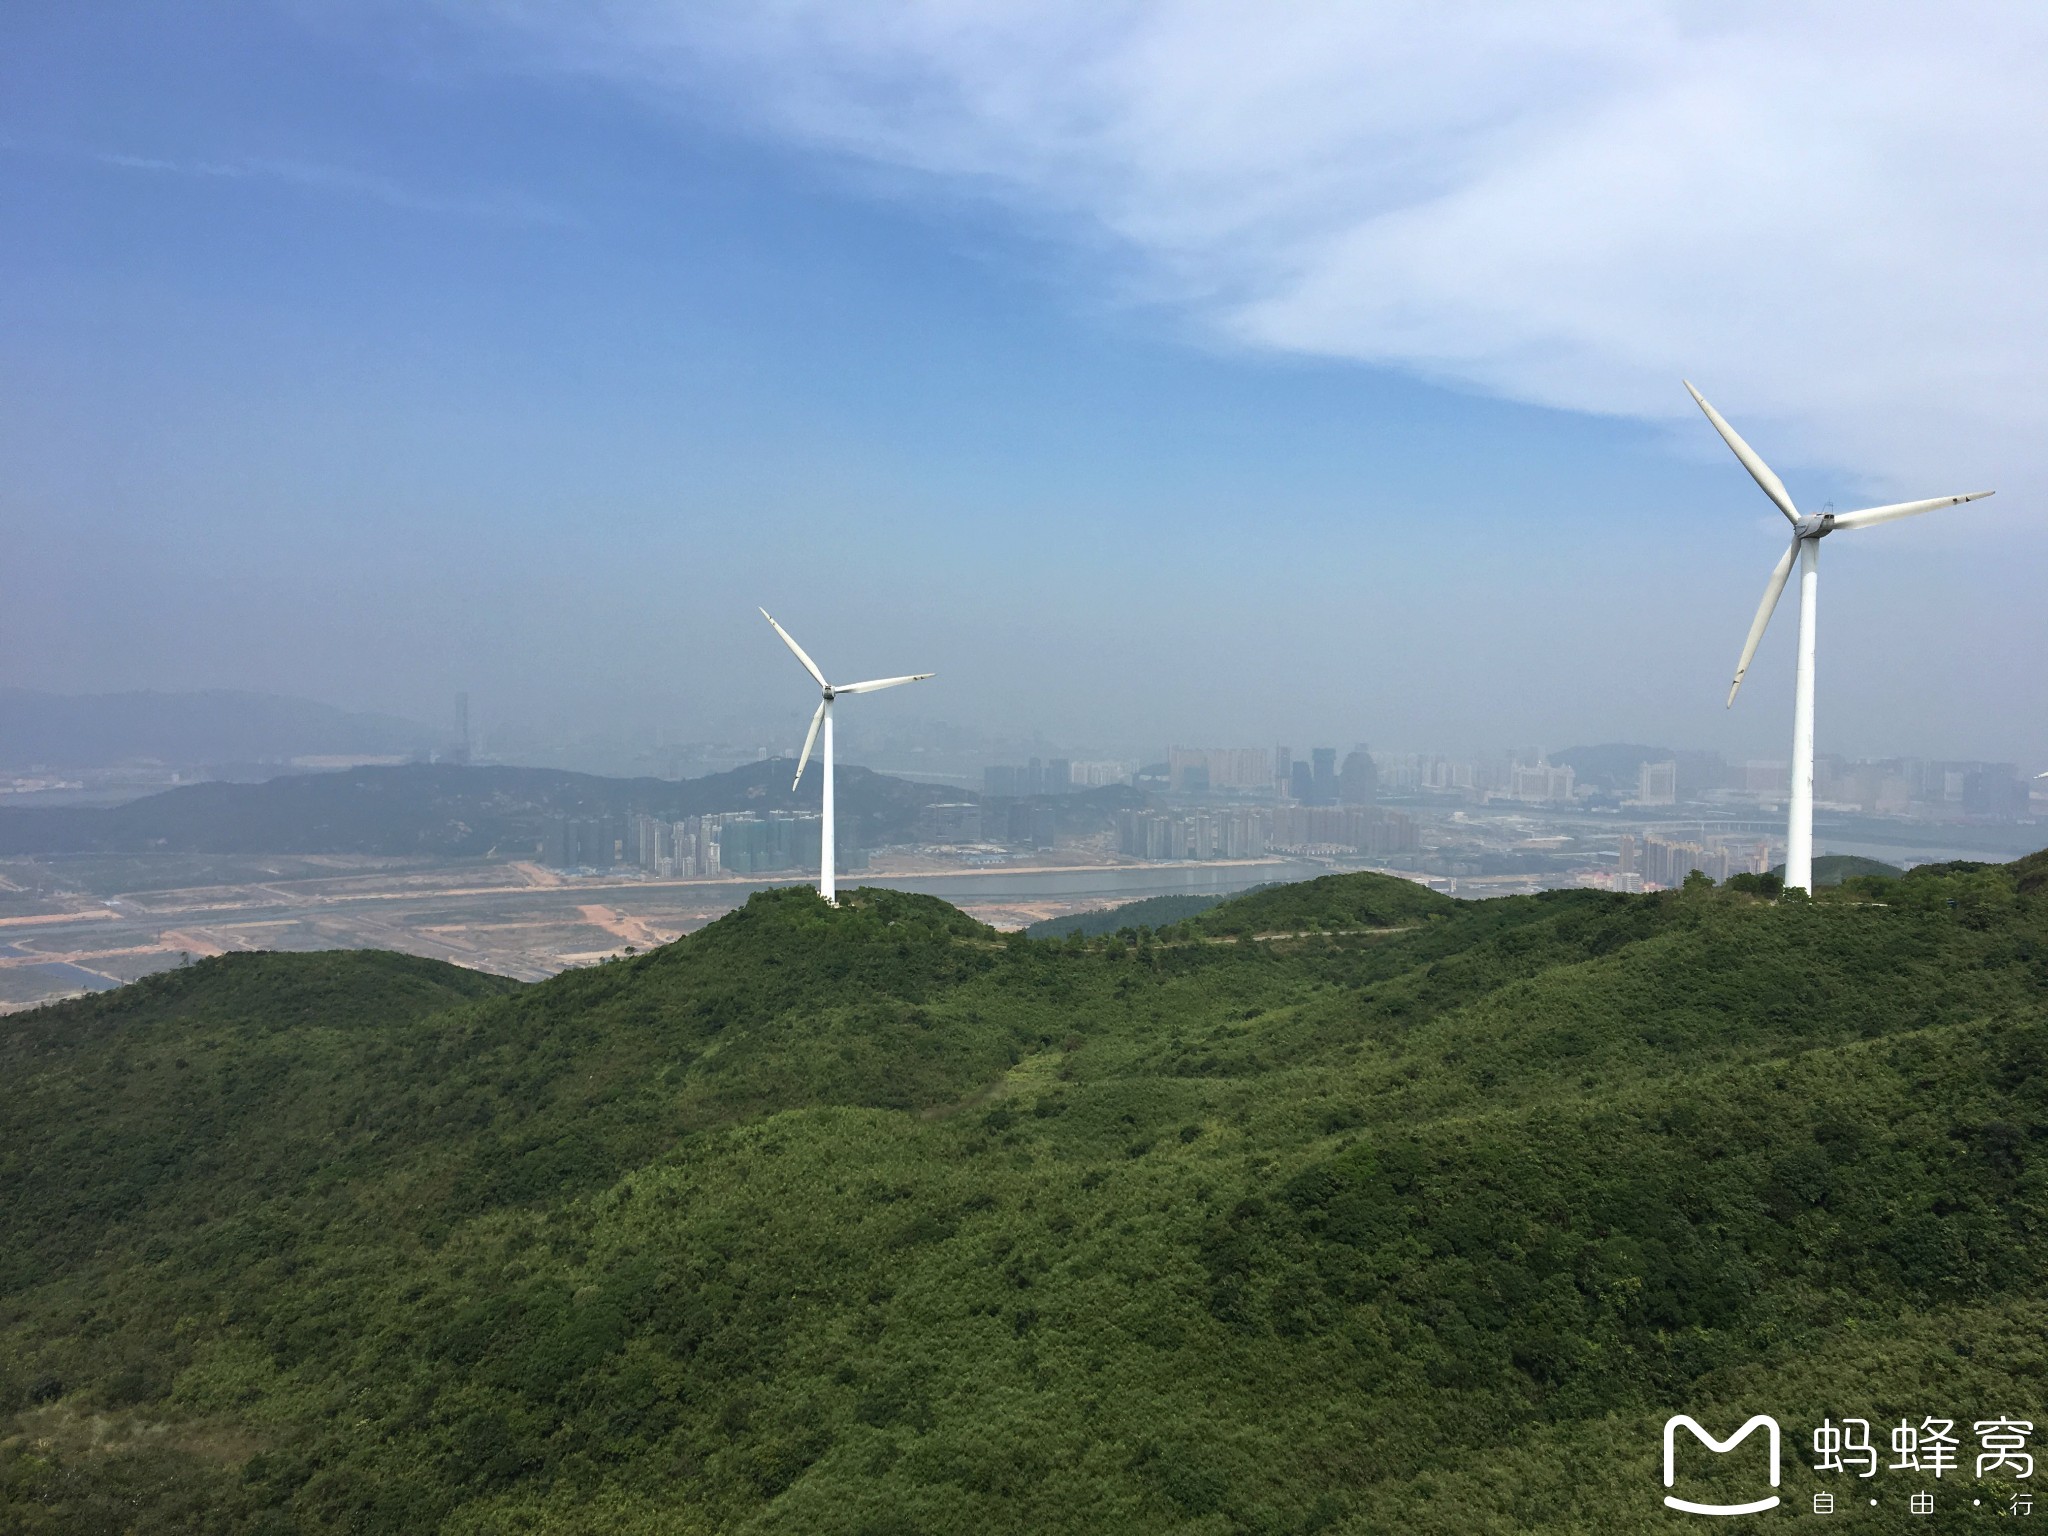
x=1153, y=379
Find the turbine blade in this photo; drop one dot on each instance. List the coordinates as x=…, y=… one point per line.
x=880, y=683
x=1759, y=471
x=816, y=720
x=1772, y=589
x=810, y=666
x=1897, y=509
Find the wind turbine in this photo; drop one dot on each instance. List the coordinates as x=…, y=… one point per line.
x=1807, y=532
x=827, y=886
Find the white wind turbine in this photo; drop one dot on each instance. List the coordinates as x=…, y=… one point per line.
x=1807, y=532
x=827, y=885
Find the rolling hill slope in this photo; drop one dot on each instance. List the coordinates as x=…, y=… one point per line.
x=873, y=1220
x=439, y=809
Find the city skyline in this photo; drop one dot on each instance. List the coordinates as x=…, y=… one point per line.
x=997, y=765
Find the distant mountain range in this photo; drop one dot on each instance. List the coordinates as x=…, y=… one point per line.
x=441, y=809
x=55, y=730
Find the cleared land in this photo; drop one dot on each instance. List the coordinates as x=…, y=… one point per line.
x=77, y=924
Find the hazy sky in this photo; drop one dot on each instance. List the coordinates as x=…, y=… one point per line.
x=1192, y=372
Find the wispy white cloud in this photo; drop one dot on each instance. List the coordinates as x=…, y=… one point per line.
x=1830, y=215
x=497, y=207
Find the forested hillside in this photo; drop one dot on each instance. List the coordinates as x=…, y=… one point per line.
x=438, y=808
x=1150, y=912
x=1340, y=1207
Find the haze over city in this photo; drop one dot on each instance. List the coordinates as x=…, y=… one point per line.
x=1167, y=378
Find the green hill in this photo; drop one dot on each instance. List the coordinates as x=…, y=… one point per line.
x=1340, y=1207
x=1331, y=903
x=439, y=809
x=1151, y=912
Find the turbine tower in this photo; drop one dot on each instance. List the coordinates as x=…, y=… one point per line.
x=827, y=886
x=1807, y=532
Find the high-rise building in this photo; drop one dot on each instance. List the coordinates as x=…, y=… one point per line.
x=648, y=841
x=1328, y=829
x=1541, y=783
x=1325, y=780
x=1243, y=834
x=1087, y=775
x=1699, y=773
x=950, y=823
x=573, y=842
x=1010, y=782
x=1767, y=781
x=1667, y=861
x=1441, y=773
x=1221, y=768
x=1231, y=832
x=1994, y=789
x=1657, y=784
x=1283, y=769
x=1358, y=779
x=755, y=844
x=1044, y=826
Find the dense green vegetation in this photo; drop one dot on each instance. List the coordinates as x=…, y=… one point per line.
x=1330, y=904
x=1340, y=1207
x=1833, y=868
x=1152, y=912
x=439, y=809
